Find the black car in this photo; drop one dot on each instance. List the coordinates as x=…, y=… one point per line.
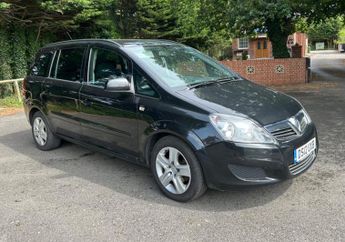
x=169, y=107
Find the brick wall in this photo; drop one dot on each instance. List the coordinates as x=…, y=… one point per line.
x=271, y=71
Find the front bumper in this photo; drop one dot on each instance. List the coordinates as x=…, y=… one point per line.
x=226, y=165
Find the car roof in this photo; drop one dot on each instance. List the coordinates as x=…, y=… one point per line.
x=118, y=42
x=144, y=42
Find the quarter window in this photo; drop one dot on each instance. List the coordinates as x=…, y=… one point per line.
x=243, y=43
x=142, y=85
x=69, y=64
x=42, y=65
x=105, y=65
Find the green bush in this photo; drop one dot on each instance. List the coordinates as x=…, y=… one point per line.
x=245, y=55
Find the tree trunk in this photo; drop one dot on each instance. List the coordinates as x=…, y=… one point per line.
x=278, y=36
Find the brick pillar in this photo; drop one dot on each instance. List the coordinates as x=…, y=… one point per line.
x=296, y=51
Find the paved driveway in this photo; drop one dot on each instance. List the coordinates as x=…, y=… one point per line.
x=75, y=194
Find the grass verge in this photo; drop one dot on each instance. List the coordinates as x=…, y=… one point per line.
x=10, y=102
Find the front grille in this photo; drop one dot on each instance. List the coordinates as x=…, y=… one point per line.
x=281, y=130
x=297, y=168
x=284, y=133
x=289, y=128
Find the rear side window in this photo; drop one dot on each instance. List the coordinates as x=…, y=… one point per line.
x=69, y=64
x=42, y=65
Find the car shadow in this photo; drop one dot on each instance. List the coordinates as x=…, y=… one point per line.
x=132, y=180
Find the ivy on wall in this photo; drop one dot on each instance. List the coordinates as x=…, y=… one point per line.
x=18, y=48
x=5, y=67
x=18, y=59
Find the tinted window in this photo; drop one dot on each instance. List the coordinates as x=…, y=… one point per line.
x=42, y=65
x=142, y=85
x=69, y=64
x=105, y=65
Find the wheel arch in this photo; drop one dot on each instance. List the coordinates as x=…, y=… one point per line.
x=33, y=110
x=189, y=137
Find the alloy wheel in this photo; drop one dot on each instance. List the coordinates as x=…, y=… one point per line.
x=173, y=170
x=40, y=131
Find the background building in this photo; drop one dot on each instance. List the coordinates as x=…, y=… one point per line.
x=260, y=47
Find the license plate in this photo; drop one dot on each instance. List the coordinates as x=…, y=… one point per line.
x=304, y=151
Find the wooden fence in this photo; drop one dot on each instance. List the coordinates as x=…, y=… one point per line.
x=16, y=85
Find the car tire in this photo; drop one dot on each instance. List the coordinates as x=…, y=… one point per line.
x=42, y=135
x=176, y=170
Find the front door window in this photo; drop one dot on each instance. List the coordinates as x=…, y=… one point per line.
x=106, y=65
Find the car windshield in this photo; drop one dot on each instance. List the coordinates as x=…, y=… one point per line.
x=181, y=66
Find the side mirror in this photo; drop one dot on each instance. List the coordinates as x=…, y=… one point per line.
x=118, y=84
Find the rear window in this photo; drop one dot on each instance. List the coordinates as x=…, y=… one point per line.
x=69, y=64
x=42, y=65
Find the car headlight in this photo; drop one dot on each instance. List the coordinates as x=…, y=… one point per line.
x=239, y=129
x=306, y=115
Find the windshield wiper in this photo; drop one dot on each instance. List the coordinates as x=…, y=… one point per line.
x=207, y=83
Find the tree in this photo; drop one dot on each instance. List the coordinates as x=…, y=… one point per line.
x=274, y=17
x=277, y=18
x=27, y=25
x=124, y=17
x=61, y=16
x=341, y=38
x=156, y=19
x=317, y=11
x=327, y=29
x=202, y=23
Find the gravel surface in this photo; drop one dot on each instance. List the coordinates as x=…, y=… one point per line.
x=74, y=194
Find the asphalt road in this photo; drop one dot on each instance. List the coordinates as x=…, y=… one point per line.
x=74, y=194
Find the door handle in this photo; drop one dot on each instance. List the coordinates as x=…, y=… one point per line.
x=141, y=108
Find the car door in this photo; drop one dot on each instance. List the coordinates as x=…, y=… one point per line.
x=61, y=91
x=37, y=76
x=148, y=100
x=108, y=118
